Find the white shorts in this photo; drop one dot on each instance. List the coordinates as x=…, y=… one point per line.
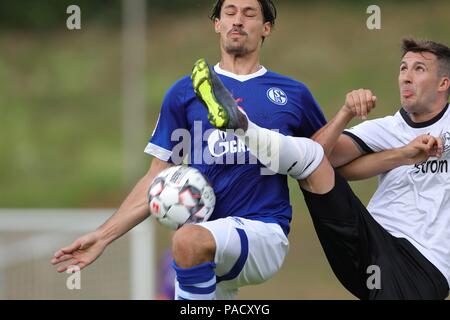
x=247, y=252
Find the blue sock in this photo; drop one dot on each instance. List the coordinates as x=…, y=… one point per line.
x=196, y=283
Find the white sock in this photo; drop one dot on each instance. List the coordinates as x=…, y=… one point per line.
x=293, y=156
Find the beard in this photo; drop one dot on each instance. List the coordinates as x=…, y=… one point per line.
x=409, y=105
x=236, y=49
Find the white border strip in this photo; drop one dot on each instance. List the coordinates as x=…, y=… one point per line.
x=158, y=152
x=238, y=77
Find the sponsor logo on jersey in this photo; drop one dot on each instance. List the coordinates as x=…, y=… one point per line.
x=433, y=166
x=437, y=165
x=446, y=141
x=277, y=96
x=219, y=144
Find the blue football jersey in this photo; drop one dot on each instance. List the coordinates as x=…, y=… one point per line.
x=270, y=100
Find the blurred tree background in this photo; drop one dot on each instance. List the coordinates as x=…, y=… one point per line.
x=46, y=14
x=60, y=96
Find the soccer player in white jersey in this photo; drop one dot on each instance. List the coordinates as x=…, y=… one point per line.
x=404, y=234
x=245, y=240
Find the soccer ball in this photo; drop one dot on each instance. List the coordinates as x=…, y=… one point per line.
x=180, y=195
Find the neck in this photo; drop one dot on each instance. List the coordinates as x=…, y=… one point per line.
x=240, y=65
x=428, y=114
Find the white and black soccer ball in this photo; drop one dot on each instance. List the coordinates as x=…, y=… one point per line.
x=180, y=195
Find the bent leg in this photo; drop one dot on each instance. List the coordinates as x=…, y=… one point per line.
x=321, y=180
x=193, y=252
x=294, y=156
x=341, y=232
x=193, y=245
x=301, y=158
x=354, y=243
x=248, y=252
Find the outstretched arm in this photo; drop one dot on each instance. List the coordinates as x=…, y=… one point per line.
x=134, y=209
x=86, y=249
x=417, y=151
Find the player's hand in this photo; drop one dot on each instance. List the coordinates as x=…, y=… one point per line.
x=360, y=103
x=81, y=253
x=422, y=148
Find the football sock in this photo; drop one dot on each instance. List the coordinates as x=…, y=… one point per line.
x=196, y=283
x=293, y=156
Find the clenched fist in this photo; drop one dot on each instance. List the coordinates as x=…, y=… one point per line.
x=360, y=103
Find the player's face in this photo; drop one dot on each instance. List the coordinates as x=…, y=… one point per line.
x=419, y=81
x=241, y=26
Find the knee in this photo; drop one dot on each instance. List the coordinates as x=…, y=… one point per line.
x=193, y=245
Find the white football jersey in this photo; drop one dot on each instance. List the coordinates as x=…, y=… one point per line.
x=412, y=201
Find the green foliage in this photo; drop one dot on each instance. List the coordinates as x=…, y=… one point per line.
x=51, y=14
x=60, y=90
x=60, y=98
x=43, y=15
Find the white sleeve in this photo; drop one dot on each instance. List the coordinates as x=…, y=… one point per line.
x=373, y=135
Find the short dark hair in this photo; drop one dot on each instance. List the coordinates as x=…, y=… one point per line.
x=441, y=51
x=268, y=9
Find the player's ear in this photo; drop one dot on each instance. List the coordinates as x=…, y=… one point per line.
x=217, y=25
x=444, y=84
x=267, y=28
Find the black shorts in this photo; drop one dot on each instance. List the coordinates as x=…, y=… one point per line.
x=368, y=260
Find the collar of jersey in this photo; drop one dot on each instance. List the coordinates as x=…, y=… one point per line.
x=424, y=124
x=239, y=77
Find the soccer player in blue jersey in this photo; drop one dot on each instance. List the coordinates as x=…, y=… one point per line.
x=245, y=241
